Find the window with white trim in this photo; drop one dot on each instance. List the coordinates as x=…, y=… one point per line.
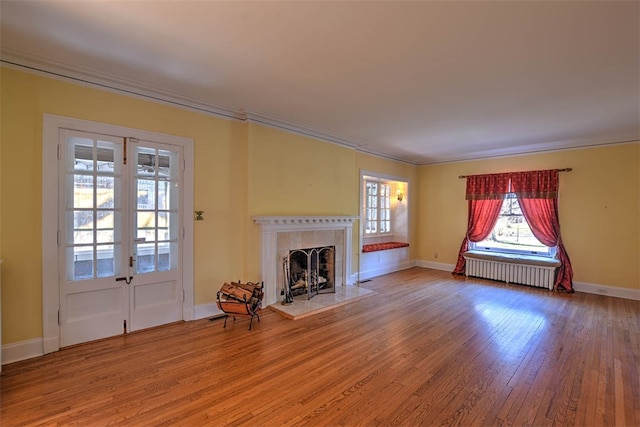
x=377, y=208
x=512, y=233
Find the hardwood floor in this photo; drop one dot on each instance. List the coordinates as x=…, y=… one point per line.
x=427, y=349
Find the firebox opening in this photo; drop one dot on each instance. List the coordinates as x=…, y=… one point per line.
x=311, y=271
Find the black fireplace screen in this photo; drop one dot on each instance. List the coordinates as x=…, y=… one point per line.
x=309, y=272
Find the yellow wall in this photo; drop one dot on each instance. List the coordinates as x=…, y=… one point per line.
x=220, y=166
x=294, y=175
x=599, y=209
x=1, y=130
x=242, y=170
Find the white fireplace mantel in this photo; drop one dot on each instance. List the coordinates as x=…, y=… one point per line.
x=286, y=223
x=271, y=227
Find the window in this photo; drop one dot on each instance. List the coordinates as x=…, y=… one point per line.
x=512, y=234
x=377, y=208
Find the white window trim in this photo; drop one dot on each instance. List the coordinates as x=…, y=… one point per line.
x=407, y=184
x=50, y=266
x=366, y=208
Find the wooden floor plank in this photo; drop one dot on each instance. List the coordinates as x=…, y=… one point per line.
x=428, y=348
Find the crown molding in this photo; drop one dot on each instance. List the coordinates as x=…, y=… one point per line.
x=546, y=148
x=96, y=79
x=263, y=119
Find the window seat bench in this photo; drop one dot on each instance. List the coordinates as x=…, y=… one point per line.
x=374, y=247
x=512, y=268
x=381, y=258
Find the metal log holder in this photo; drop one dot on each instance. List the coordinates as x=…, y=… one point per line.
x=238, y=299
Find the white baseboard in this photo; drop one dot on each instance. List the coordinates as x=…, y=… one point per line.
x=206, y=310
x=589, y=288
x=385, y=269
x=22, y=350
x=436, y=265
x=611, y=291
x=28, y=349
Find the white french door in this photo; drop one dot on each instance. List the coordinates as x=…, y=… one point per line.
x=121, y=249
x=155, y=289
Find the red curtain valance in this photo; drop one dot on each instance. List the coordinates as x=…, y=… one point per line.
x=535, y=184
x=487, y=187
x=532, y=184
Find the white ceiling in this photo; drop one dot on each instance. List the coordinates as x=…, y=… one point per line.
x=423, y=82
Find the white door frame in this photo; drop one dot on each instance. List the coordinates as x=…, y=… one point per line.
x=50, y=200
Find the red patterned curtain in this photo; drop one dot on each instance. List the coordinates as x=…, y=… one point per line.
x=485, y=194
x=537, y=194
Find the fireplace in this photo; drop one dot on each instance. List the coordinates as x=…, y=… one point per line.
x=309, y=272
x=280, y=235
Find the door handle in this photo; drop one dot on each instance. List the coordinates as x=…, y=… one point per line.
x=127, y=281
x=131, y=260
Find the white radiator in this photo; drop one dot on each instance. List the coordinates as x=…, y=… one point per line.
x=532, y=275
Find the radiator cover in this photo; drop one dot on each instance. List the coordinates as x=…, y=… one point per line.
x=510, y=272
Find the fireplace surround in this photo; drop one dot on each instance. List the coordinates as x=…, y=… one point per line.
x=281, y=234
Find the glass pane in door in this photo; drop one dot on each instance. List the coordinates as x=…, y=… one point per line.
x=157, y=209
x=92, y=211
